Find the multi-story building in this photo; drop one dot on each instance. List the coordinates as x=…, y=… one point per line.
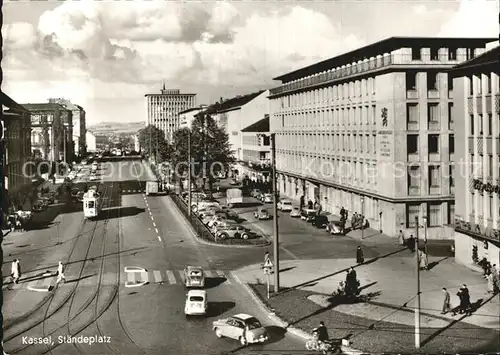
x=476, y=113
x=370, y=130
x=163, y=109
x=78, y=118
x=16, y=152
x=82, y=132
x=186, y=117
x=235, y=114
x=256, y=151
x=51, y=131
x=91, y=142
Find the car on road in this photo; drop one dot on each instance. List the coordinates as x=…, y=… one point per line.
x=267, y=198
x=233, y=182
x=334, y=228
x=295, y=212
x=308, y=214
x=320, y=221
x=234, y=231
x=196, y=303
x=194, y=276
x=285, y=205
x=262, y=214
x=242, y=327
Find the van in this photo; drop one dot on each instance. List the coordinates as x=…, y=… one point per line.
x=151, y=187
x=196, y=303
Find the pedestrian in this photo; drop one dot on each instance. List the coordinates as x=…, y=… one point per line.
x=342, y=211
x=302, y=202
x=60, y=273
x=411, y=243
x=423, y=261
x=467, y=304
x=351, y=282
x=446, y=302
x=460, y=308
x=353, y=221
x=16, y=271
x=360, y=259
x=490, y=287
x=309, y=204
x=401, y=238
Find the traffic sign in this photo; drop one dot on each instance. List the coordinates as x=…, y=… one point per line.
x=268, y=263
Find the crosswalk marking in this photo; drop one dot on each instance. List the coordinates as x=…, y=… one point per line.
x=171, y=277
x=157, y=276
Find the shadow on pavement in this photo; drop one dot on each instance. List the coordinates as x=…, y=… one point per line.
x=119, y=212
x=211, y=282
x=216, y=309
x=287, y=269
x=275, y=333
x=435, y=263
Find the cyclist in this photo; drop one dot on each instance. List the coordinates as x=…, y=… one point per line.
x=321, y=332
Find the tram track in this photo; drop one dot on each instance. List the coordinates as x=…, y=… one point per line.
x=49, y=313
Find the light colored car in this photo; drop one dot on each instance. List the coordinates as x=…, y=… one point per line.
x=196, y=303
x=236, y=326
x=267, y=198
x=285, y=205
x=307, y=214
x=204, y=204
x=295, y=212
x=194, y=276
x=334, y=228
x=261, y=214
x=93, y=177
x=223, y=224
x=216, y=219
x=234, y=231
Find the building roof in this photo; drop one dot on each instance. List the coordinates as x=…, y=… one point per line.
x=7, y=101
x=259, y=126
x=193, y=109
x=171, y=94
x=378, y=48
x=233, y=103
x=44, y=107
x=485, y=63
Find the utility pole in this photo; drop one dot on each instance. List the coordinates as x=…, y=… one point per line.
x=150, y=150
x=64, y=142
x=189, y=173
x=275, y=219
x=425, y=236
x=417, y=307
x=156, y=157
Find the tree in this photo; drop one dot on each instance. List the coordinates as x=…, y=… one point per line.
x=210, y=148
x=152, y=141
x=179, y=156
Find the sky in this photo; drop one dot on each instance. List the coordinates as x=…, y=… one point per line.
x=106, y=55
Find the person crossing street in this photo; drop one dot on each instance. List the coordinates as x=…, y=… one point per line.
x=16, y=271
x=60, y=273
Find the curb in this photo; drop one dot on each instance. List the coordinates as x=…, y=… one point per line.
x=299, y=333
x=206, y=242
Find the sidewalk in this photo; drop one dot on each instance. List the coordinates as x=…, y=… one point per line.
x=389, y=283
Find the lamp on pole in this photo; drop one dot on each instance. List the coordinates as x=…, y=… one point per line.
x=275, y=219
x=425, y=234
x=363, y=217
x=417, y=307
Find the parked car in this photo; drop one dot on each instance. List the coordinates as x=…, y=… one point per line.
x=255, y=193
x=74, y=193
x=234, y=231
x=204, y=204
x=216, y=219
x=223, y=224
x=194, y=276
x=233, y=182
x=285, y=205
x=261, y=214
x=267, y=198
x=295, y=212
x=334, y=228
x=196, y=303
x=38, y=207
x=93, y=177
x=308, y=215
x=320, y=221
x=234, y=327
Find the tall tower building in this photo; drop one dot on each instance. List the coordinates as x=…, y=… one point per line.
x=163, y=109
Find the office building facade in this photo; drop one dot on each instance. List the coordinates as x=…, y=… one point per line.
x=163, y=109
x=370, y=130
x=187, y=117
x=476, y=112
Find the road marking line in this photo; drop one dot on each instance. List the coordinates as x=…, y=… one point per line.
x=157, y=276
x=154, y=225
x=159, y=237
x=181, y=275
x=145, y=276
x=171, y=277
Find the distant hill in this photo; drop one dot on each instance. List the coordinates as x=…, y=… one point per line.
x=117, y=127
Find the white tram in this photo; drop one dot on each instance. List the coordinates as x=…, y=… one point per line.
x=91, y=203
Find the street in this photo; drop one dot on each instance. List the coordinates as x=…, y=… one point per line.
x=132, y=230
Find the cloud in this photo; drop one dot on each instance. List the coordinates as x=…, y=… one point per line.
x=478, y=18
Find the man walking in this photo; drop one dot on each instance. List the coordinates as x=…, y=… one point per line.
x=401, y=238
x=446, y=301
x=360, y=259
x=60, y=273
x=16, y=271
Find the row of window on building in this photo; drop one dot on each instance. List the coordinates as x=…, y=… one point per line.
x=435, y=178
x=484, y=165
x=484, y=205
x=434, y=213
x=434, y=143
x=480, y=126
x=416, y=53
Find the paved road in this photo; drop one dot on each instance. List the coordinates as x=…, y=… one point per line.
x=140, y=320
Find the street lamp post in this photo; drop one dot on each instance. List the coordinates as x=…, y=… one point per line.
x=425, y=234
x=275, y=219
x=417, y=307
x=363, y=216
x=189, y=173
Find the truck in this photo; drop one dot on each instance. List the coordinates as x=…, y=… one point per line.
x=234, y=196
x=151, y=187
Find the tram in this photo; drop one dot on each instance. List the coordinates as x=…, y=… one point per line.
x=91, y=203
